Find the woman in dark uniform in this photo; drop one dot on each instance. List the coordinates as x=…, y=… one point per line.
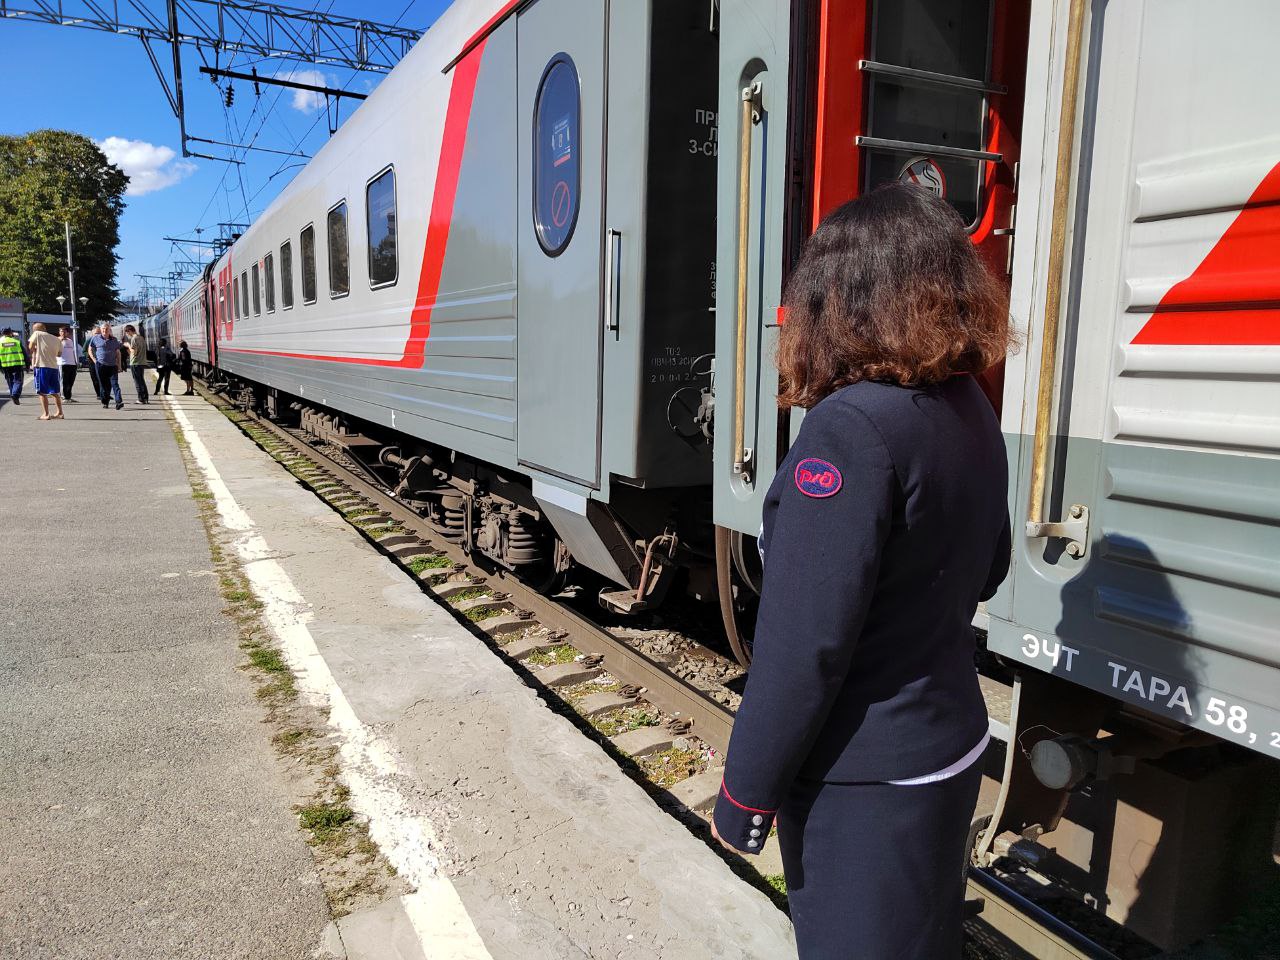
x=862, y=723
x=184, y=367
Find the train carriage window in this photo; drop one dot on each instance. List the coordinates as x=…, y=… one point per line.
x=269, y=281
x=244, y=293
x=339, y=261
x=235, y=298
x=556, y=169
x=308, y=242
x=380, y=210
x=256, y=287
x=937, y=98
x=286, y=275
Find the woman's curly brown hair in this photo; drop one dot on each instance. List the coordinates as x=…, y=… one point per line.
x=889, y=288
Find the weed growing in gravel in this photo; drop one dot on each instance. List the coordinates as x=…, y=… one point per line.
x=325, y=820
x=268, y=660
x=668, y=767
x=545, y=658
x=777, y=881
x=620, y=721
x=289, y=741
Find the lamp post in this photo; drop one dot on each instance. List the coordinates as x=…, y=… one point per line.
x=71, y=282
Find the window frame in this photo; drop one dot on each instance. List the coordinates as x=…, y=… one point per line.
x=269, y=281
x=346, y=224
x=255, y=287
x=235, y=297
x=244, y=294
x=302, y=257
x=562, y=57
x=286, y=302
x=390, y=168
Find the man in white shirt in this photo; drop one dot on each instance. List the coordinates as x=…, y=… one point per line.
x=68, y=362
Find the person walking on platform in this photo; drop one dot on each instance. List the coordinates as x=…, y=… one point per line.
x=106, y=351
x=138, y=361
x=90, y=361
x=13, y=361
x=164, y=364
x=46, y=352
x=862, y=724
x=68, y=361
x=184, y=367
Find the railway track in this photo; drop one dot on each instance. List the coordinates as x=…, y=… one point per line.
x=1003, y=925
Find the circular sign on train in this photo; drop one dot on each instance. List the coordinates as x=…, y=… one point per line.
x=925, y=172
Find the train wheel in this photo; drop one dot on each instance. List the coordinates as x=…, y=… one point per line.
x=738, y=578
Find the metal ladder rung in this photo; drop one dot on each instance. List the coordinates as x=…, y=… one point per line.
x=910, y=146
x=928, y=76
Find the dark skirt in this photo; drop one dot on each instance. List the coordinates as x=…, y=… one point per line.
x=875, y=871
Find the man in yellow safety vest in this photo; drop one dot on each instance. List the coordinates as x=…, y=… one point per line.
x=13, y=360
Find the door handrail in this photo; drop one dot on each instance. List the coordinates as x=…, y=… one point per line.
x=749, y=117
x=1036, y=527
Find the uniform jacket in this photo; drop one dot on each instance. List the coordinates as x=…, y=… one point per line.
x=884, y=526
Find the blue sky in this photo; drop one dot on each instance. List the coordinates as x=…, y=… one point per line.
x=103, y=86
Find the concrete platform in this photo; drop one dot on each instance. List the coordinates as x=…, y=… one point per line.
x=143, y=811
x=521, y=839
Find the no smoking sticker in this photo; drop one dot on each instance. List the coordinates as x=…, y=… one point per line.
x=560, y=205
x=925, y=172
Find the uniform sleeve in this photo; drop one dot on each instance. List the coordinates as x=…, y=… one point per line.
x=825, y=535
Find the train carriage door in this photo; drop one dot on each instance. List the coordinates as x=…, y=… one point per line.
x=561, y=95
x=929, y=92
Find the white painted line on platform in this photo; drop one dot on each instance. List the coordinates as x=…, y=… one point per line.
x=369, y=765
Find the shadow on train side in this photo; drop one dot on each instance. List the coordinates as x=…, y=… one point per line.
x=1173, y=836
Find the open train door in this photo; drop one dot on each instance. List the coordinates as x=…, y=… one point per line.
x=560, y=96
x=929, y=92
x=209, y=314
x=924, y=91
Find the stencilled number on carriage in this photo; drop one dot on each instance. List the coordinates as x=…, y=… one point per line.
x=1275, y=740
x=1236, y=717
x=1055, y=651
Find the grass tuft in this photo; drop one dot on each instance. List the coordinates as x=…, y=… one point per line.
x=545, y=658
x=325, y=820
x=268, y=660
x=418, y=564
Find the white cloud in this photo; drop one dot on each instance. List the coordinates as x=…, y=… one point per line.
x=150, y=167
x=308, y=101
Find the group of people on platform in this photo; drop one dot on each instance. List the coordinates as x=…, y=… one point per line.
x=55, y=361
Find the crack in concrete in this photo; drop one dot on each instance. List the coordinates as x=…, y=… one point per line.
x=516, y=849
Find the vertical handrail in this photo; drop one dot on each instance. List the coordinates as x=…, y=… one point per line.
x=1057, y=258
x=750, y=95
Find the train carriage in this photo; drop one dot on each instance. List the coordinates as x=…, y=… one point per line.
x=466, y=264
x=532, y=286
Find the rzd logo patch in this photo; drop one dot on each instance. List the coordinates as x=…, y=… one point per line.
x=817, y=478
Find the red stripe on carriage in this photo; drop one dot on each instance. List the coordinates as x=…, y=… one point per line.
x=457, y=117
x=1233, y=297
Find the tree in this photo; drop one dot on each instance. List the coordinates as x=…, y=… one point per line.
x=48, y=177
